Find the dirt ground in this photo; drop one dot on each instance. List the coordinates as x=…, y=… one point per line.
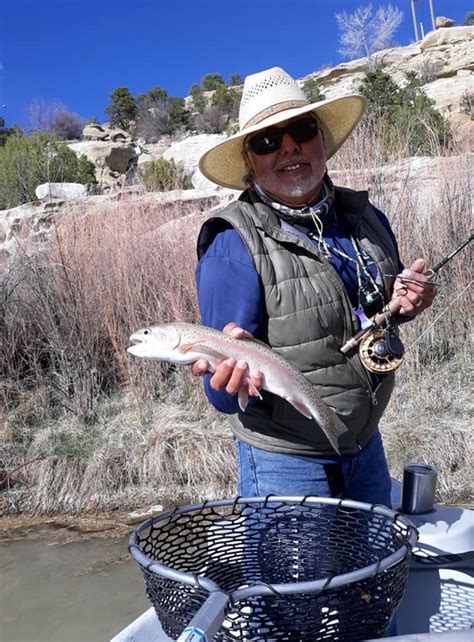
x=72, y=528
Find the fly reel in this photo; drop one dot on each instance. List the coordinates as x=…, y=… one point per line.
x=381, y=351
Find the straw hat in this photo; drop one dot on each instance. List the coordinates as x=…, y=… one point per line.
x=268, y=98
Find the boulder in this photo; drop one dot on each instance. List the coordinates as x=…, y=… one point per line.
x=151, y=152
x=112, y=160
x=95, y=131
x=62, y=191
x=442, y=21
x=448, y=93
x=454, y=36
x=188, y=151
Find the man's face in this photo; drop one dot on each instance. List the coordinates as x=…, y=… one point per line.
x=293, y=173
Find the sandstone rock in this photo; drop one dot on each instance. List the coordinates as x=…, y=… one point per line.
x=112, y=160
x=189, y=150
x=94, y=131
x=65, y=191
x=200, y=182
x=136, y=517
x=454, y=36
x=151, y=152
x=442, y=21
x=448, y=93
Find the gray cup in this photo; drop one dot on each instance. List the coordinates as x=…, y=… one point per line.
x=419, y=487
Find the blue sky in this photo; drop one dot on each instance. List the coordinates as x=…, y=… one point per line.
x=78, y=52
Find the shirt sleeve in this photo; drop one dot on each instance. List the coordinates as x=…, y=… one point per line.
x=229, y=289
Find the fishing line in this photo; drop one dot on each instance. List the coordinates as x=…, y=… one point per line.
x=440, y=315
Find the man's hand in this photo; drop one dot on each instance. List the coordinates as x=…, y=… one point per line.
x=414, y=295
x=231, y=374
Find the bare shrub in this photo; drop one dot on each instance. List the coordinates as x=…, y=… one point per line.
x=55, y=118
x=67, y=125
x=153, y=120
x=213, y=120
x=94, y=428
x=68, y=311
x=429, y=70
x=364, y=33
x=173, y=453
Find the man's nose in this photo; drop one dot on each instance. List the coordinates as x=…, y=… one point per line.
x=288, y=145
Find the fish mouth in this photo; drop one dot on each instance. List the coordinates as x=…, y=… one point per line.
x=136, y=343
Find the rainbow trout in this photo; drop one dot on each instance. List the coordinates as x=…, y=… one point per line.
x=186, y=343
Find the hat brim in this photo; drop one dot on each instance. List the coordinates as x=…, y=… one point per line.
x=224, y=164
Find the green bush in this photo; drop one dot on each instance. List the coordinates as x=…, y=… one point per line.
x=227, y=100
x=468, y=19
x=162, y=176
x=211, y=81
x=312, y=91
x=5, y=132
x=405, y=113
x=122, y=109
x=199, y=101
x=28, y=161
x=235, y=80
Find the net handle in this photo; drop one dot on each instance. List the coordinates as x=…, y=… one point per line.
x=208, y=620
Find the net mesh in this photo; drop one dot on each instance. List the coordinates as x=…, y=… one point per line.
x=278, y=543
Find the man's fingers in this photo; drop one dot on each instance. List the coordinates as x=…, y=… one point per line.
x=200, y=367
x=418, y=266
x=237, y=378
x=222, y=374
x=236, y=331
x=256, y=378
x=229, y=327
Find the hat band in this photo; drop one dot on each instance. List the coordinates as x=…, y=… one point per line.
x=274, y=109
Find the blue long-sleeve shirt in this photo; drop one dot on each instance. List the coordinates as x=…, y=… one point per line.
x=229, y=288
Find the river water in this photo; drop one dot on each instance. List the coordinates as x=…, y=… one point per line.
x=83, y=591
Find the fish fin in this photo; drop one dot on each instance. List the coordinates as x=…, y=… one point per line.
x=301, y=407
x=255, y=392
x=186, y=347
x=243, y=398
x=202, y=348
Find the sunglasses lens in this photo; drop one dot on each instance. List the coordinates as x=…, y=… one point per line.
x=303, y=131
x=267, y=142
x=270, y=140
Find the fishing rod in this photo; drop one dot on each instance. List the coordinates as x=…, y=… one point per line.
x=380, y=349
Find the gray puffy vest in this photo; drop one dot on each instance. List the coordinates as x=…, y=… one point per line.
x=308, y=318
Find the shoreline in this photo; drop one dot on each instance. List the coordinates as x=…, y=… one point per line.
x=66, y=529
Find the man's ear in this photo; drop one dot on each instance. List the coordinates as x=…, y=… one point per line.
x=247, y=161
x=248, y=178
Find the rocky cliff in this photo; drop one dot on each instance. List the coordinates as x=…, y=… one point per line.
x=444, y=60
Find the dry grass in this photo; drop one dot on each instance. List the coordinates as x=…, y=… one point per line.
x=102, y=430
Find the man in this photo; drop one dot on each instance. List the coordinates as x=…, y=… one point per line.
x=300, y=265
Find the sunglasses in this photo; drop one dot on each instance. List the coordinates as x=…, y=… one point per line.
x=269, y=141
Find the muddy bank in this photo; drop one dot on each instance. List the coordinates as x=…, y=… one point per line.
x=73, y=528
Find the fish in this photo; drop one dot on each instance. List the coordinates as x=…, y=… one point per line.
x=186, y=343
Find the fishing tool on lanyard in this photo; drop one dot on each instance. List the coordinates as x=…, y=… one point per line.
x=380, y=349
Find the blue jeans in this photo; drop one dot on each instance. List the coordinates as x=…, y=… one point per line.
x=362, y=476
